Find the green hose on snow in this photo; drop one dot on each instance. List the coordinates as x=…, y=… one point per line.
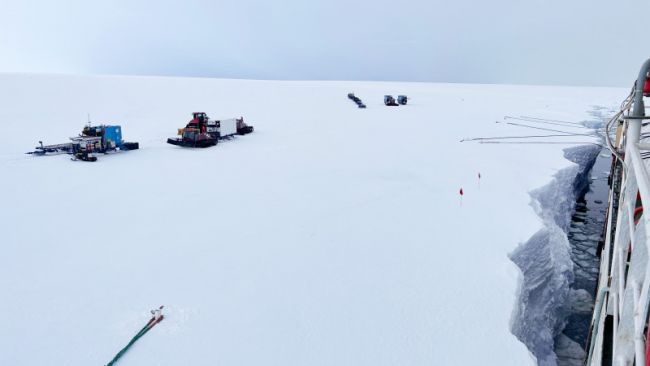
x=155, y=319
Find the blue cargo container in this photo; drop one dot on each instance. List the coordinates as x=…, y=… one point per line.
x=112, y=136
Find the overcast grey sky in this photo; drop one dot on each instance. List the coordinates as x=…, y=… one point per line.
x=564, y=42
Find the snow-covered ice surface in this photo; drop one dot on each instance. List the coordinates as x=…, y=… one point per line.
x=330, y=236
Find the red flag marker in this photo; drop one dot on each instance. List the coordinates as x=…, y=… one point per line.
x=461, y=196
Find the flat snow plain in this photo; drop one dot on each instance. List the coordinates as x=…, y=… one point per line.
x=330, y=236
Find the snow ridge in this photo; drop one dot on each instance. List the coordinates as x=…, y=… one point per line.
x=545, y=259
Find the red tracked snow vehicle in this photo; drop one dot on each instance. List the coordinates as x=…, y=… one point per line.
x=201, y=131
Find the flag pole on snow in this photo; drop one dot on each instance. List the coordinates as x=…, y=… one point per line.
x=461, y=196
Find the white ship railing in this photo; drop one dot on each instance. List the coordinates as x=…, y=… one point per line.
x=624, y=281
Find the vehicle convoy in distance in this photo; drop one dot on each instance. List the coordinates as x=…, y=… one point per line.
x=93, y=139
x=390, y=101
x=202, y=131
x=357, y=100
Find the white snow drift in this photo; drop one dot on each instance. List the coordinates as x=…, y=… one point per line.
x=330, y=236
